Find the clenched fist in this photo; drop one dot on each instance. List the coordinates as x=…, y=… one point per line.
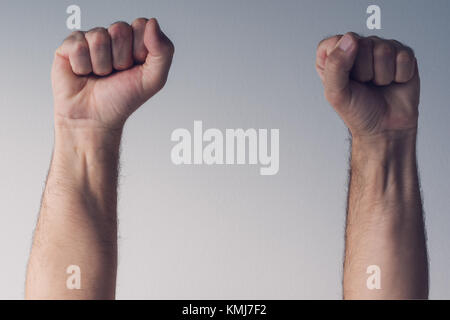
x=372, y=83
x=102, y=76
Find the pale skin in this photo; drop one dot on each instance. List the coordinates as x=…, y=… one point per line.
x=99, y=78
x=374, y=86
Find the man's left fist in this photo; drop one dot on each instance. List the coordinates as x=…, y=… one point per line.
x=372, y=83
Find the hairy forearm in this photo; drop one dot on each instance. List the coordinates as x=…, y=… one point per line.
x=384, y=222
x=78, y=221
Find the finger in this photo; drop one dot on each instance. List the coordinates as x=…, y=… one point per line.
x=323, y=50
x=337, y=70
x=76, y=50
x=139, y=50
x=363, y=67
x=405, y=63
x=384, y=54
x=122, y=45
x=159, y=59
x=99, y=43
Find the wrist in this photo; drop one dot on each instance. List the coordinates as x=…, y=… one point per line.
x=81, y=153
x=87, y=123
x=384, y=169
x=84, y=139
x=384, y=164
x=84, y=135
x=389, y=144
x=85, y=167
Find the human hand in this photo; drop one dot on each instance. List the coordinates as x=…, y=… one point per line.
x=102, y=76
x=372, y=83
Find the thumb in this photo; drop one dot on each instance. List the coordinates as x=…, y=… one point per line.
x=156, y=68
x=338, y=65
x=70, y=61
x=62, y=74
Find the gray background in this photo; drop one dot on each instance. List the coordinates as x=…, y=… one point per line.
x=222, y=231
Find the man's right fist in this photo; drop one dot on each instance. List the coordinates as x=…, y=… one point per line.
x=372, y=83
x=102, y=76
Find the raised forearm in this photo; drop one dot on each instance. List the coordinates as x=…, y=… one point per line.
x=384, y=223
x=77, y=223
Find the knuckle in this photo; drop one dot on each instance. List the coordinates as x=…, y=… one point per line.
x=139, y=23
x=98, y=37
x=384, y=50
x=76, y=35
x=120, y=30
x=354, y=35
x=80, y=48
x=405, y=57
x=366, y=44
